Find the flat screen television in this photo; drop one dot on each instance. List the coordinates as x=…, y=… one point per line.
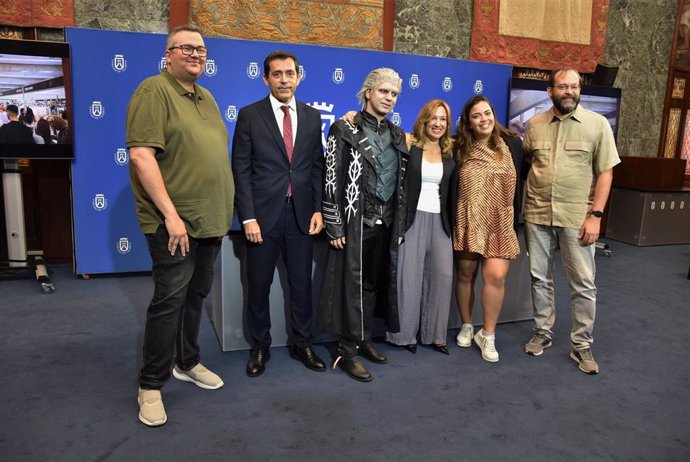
x=36, y=74
x=528, y=97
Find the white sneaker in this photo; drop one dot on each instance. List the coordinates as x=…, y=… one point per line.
x=200, y=376
x=151, y=409
x=487, y=345
x=464, y=337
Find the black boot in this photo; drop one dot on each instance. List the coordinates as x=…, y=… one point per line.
x=350, y=363
x=366, y=349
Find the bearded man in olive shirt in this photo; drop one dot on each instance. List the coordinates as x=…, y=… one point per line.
x=572, y=153
x=183, y=190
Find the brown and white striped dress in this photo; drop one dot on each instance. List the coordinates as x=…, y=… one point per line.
x=484, y=214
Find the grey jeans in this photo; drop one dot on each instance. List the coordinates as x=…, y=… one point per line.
x=578, y=263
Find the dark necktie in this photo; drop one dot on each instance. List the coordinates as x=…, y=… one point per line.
x=287, y=138
x=287, y=131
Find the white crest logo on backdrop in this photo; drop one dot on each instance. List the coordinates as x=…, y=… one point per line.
x=162, y=64
x=123, y=245
x=96, y=110
x=210, y=69
x=253, y=70
x=302, y=73
x=478, y=87
x=119, y=63
x=121, y=156
x=414, y=81
x=447, y=84
x=99, y=202
x=326, y=119
x=231, y=113
x=338, y=75
x=396, y=119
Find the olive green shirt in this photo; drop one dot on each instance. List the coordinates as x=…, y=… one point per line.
x=191, y=142
x=566, y=155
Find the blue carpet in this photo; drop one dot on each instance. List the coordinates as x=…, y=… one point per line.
x=71, y=359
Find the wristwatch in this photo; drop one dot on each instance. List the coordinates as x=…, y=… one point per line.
x=597, y=213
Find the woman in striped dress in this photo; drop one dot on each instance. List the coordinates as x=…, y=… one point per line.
x=486, y=217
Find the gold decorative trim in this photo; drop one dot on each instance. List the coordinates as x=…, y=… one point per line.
x=672, y=133
x=678, y=88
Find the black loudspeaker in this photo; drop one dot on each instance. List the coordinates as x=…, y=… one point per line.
x=604, y=75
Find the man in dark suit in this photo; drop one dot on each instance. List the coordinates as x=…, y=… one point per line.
x=277, y=161
x=15, y=132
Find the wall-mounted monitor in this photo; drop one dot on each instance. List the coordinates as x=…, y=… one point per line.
x=528, y=97
x=36, y=74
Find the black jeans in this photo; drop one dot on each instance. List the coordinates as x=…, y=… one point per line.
x=173, y=316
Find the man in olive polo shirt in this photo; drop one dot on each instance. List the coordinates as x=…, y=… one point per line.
x=183, y=189
x=572, y=153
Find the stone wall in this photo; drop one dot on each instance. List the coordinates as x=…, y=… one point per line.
x=639, y=40
x=129, y=15
x=433, y=28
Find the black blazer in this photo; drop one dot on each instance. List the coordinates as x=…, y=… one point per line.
x=515, y=146
x=447, y=189
x=261, y=169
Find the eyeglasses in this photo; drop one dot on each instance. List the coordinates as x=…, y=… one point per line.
x=187, y=50
x=564, y=87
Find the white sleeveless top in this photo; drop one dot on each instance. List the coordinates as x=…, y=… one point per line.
x=429, y=199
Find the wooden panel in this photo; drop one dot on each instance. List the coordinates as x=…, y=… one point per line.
x=48, y=208
x=179, y=13
x=649, y=173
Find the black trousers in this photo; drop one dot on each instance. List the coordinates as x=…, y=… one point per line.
x=375, y=276
x=173, y=316
x=297, y=250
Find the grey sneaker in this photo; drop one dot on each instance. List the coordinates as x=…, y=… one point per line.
x=585, y=361
x=464, y=337
x=536, y=344
x=200, y=376
x=151, y=409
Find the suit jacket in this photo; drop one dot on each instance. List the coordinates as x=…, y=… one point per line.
x=261, y=169
x=447, y=189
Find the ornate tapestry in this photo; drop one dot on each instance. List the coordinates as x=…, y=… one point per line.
x=350, y=23
x=37, y=13
x=544, y=34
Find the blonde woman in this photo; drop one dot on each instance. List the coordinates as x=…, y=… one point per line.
x=425, y=259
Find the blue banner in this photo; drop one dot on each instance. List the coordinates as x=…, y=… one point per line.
x=107, y=66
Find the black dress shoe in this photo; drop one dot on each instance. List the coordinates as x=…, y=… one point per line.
x=412, y=348
x=367, y=350
x=307, y=356
x=355, y=369
x=442, y=348
x=257, y=361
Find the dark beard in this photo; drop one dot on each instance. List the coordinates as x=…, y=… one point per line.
x=561, y=108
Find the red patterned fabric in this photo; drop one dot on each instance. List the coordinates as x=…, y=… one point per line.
x=489, y=46
x=287, y=138
x=37, y=13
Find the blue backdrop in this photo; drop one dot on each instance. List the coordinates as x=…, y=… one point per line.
x=107, y=66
